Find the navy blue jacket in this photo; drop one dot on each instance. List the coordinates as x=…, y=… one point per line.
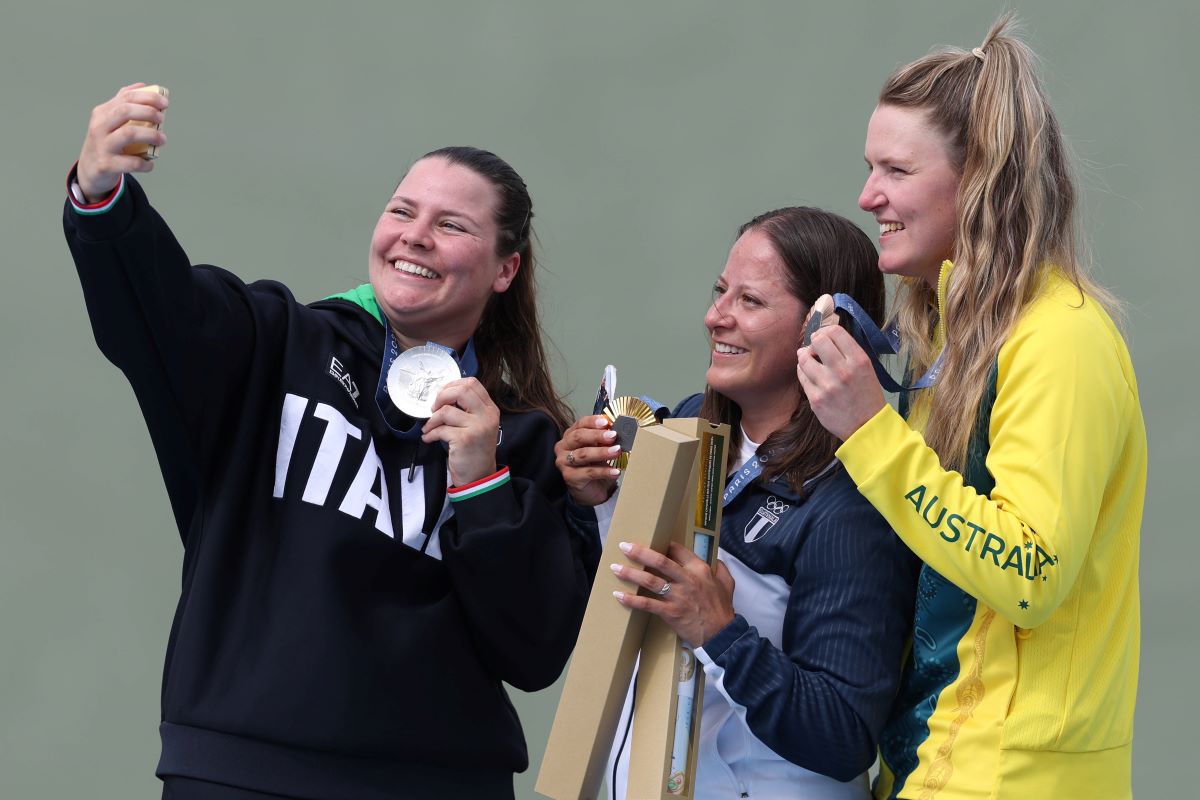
x=818, y=694
x=811, y=662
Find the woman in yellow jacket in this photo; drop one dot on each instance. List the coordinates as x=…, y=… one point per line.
x=1019, y=477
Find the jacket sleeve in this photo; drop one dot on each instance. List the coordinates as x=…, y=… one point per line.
x=822, y=700
x=1064, y=404
x=521, y=572
x=182, y=335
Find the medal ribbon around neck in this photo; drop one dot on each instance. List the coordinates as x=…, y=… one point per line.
x=398, y=422
x=739, y=480
x=878, y=343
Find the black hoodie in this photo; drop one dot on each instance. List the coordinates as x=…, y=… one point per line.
x=323, y=645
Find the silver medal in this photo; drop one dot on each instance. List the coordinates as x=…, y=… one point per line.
x=416, y=377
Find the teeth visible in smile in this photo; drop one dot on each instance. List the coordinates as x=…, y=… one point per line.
x=413, y=269
x=890, y=227
x=727, y=348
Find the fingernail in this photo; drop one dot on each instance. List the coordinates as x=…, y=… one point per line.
x=619, y=595
x=610, y=435
x=625, y=547
x=615, y=568
x=602, y=422
x=614, y=473
x=616, y=448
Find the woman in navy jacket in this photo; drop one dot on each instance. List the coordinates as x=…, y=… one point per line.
x=802, y=628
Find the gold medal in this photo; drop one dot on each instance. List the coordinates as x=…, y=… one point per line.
x=627, y=414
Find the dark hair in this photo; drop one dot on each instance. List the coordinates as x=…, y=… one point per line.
x=508, y=341
x=822, y=253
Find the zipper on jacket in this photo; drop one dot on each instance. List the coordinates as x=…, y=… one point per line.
x=412, y=464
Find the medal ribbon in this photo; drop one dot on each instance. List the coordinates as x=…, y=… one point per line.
x=397, y=421
x=742, y=478
x=877, y=343
x=661, y=412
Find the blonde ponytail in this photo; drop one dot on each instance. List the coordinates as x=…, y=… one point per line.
x=1015, y=217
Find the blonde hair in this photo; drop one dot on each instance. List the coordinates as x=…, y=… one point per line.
x=1015, y=218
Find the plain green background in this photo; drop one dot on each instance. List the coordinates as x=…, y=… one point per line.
x=647, y=133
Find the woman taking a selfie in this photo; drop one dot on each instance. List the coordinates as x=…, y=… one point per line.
x=363, y=562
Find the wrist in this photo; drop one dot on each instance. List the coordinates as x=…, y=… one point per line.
x=463, y=491
x=721, y=639
x=721, y=623
x=474, y=474
x=87, y=201
x=94, y=197
x=866, y=415
x=94, y=191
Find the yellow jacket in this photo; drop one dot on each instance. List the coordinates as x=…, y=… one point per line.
x=1023, y=674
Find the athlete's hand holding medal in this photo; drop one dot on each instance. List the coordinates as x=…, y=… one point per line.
x=582, y=456
x=836, y=373
x=426, y=383
x=466, y=419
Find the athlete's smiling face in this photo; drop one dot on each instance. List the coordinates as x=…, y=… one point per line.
x=433, y=261
x=754, y=329
x=911, y=189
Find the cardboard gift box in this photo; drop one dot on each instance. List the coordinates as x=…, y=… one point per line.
x=670, y=684
x=671, y=491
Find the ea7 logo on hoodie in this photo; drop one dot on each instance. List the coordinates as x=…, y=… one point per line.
x=764, y=519
x=339, y=373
